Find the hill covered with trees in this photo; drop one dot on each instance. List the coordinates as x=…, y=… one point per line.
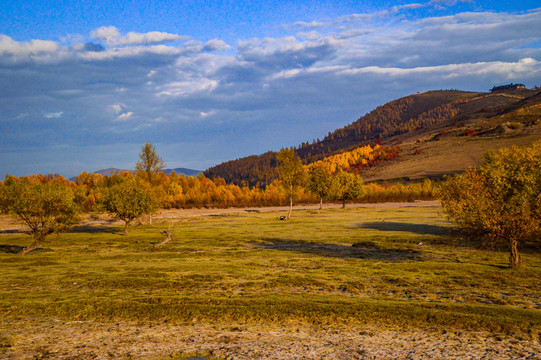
x=388, y=124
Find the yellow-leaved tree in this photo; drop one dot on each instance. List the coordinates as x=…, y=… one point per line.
x=292, y=174
x=45, y=208
x=500, y=201
x=128, y=200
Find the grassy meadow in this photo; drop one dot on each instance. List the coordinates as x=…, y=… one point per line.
x=391, y=267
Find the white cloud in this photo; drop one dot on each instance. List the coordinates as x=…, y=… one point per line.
x=183, y=88
x=354, y=33
x=106, y=33
x=112, y=37
x=310, y=35
x=308, y=25
x=53, y=115
x=527, y=66
x=135, y=51
x=204, y=114
x=353, y=18
x=216, y=45
x=117, y=108
x=124, y=116
x=297, y=80
x=21, y=116
x=287, y=74
x=8, y=46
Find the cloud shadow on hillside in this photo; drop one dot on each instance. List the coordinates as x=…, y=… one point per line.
x=420, y=229
x=362, y=250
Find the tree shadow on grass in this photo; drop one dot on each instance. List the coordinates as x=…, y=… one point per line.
x=16, y=249
x=12, y=231
x=421, y=229
x=11, y=249
x=361, y=250
x=96, y=229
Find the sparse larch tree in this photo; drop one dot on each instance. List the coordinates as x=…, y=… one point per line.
x=347, y=186
x=320, y=181
x=291, y=172
x=149, y=163
x=147, y=168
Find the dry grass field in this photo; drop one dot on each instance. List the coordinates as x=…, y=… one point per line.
x=361, y=283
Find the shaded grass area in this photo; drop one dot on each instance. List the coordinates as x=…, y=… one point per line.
x=391, y=267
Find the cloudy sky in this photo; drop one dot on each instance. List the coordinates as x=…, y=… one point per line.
x=83, y=84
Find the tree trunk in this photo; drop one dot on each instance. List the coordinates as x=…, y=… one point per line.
x=126, y=227
x=31, y=247
x=169, y=237
x=515, y=261
x=320, y=203
x=343, y=203
x=290, y=206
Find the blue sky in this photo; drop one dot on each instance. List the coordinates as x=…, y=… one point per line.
x=83, y=84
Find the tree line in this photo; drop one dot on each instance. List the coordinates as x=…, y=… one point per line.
x=50, y=203
x=500, y=202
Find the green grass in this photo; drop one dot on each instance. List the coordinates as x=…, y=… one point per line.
x=350, y=266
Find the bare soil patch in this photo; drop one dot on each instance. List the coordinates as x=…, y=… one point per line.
x=55, y=339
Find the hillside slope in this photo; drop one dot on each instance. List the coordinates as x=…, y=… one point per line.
x=459, y=143
x=411, y=121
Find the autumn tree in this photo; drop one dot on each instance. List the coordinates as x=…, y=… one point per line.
x=148, y=168
x=346, y=186
x=500, y=201
x=149, y=163
x=45, y=208
x=319, y=181
x=129, y=200
x=291, y=172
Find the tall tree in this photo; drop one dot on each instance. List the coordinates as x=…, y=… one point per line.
x=149, y=163
x=319, y=181
x=46, y=208
x=347, y=186
x=500, y=201
x=147, y=168
x=291, y=173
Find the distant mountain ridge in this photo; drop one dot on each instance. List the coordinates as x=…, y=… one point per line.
x=187, y=172
x=111, y=171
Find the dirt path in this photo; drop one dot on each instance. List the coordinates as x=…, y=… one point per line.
x=174, y=213
x=9, y=226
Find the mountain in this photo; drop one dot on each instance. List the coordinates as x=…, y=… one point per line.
x=107, y=172
x=424, y=119
x=111, y=171
x=187, y=172
x=487, y=122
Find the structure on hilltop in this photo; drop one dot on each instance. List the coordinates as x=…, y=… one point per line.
x=508, y=87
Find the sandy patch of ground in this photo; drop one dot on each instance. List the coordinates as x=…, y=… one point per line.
x=31, y=339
